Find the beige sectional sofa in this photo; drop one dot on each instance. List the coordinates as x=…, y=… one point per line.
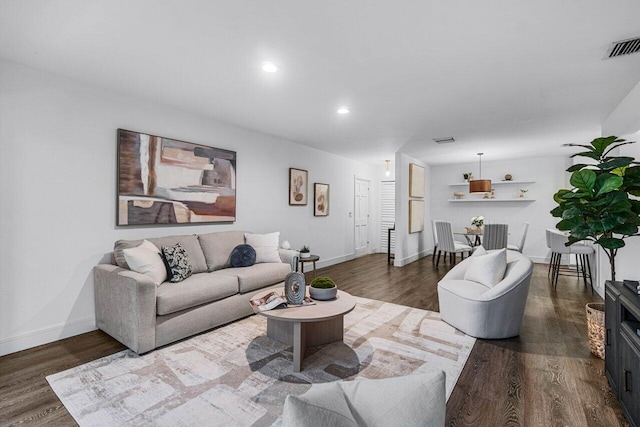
x=142, y=315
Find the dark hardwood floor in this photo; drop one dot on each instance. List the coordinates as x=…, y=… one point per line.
x=544, y=377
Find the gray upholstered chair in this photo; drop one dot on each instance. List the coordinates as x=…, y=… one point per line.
x=447, y=244
x=435, y=240
x=495, y=236
x=486, y=312
x=412, y=400
x=520, y=246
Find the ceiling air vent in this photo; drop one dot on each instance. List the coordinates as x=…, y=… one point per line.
x=624, y=47
x=447, y=140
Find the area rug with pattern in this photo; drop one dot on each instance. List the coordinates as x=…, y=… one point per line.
x=235, y=375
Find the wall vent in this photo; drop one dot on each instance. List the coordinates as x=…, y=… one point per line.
x=624, y=47
x=447, y=140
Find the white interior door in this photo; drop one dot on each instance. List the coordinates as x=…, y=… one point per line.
x=361, y=217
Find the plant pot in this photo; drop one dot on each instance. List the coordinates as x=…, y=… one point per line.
x=595, y=326
x=323, y=294
x=305, y=254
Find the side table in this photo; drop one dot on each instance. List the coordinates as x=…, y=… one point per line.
x=311, y=258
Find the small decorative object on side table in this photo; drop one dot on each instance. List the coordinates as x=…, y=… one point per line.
x=305, y=252
x=323, y=289
x=508, y=177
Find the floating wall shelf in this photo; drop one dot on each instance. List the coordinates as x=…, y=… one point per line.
x=519, y=199
x=460, y=184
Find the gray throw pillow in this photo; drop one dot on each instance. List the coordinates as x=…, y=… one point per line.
x=178, y=267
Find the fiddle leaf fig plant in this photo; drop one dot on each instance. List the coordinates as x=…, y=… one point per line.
x=599, y=207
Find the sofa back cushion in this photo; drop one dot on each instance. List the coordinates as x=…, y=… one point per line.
x=217, y=248
x=189, y=243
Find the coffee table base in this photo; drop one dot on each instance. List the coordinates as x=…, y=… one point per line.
x=301, y=335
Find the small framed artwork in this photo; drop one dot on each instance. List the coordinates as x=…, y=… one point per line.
x=320, y=199
x=416, y=216
x=298, y=186
x=416, y=180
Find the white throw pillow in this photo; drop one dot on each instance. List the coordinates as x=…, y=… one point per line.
x=146, y=259
x=487, y=269
x=479, y=251
x=265, y=245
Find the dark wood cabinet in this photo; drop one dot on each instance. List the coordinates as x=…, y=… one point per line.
x=612, y=325
x=622, y=351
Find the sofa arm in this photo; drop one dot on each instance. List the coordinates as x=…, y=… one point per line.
x=126, y=306
x=290, y=257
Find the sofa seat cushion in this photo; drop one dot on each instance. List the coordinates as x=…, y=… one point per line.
x=463, y=288
x=217, y=247
x=190, y=244
x=195, y=290
x=258, y=275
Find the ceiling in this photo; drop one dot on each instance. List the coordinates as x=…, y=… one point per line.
x=510, y=78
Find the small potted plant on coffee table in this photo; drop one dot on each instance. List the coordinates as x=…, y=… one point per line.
x=305, y=252
x=323, y=289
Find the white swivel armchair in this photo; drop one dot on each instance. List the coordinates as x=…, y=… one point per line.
x=486, y=312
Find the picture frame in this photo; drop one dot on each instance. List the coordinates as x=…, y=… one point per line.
x=321, y=199
x=298, y=186
x=165, y=181
x=416, y=181
x=416, y=216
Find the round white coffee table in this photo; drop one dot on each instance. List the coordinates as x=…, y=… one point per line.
x=308, y=326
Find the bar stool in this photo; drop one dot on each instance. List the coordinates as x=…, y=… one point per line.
x=556, y=242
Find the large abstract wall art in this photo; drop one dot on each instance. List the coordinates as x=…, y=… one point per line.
x=165, y=181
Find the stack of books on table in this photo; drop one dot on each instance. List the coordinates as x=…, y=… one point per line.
x=634, y=285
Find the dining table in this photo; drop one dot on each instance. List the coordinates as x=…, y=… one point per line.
x=469, y=235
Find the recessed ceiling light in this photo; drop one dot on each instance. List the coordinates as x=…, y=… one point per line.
x=343, y=110
x=269, y=67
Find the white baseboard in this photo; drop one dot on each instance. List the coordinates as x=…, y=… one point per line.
x=412, y=258
x=46, y=335
x=332, y=261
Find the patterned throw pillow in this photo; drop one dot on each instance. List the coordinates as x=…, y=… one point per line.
x=177, y=262
x=243, y=256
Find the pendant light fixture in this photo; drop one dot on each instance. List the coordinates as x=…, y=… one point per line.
x=480, y=185
x=388, y=172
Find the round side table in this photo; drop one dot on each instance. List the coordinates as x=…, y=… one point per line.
x=311, y=258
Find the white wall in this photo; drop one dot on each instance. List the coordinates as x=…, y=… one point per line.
x=58, y=195
x=627, y=257
x=410, y=247
x=549, y=176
